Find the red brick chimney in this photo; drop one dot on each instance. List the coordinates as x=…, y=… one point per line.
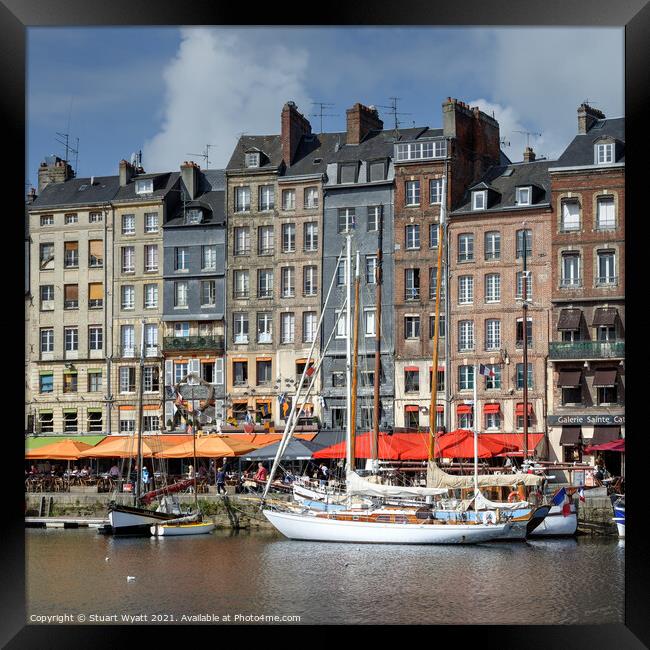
x=587, y=116
x=360, y=121
x=294, y=126
x=53, y=170
x=529, y=154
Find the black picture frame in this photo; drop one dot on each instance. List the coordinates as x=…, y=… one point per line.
x=634, y=15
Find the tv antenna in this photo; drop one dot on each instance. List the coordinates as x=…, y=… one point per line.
x=504, y=142
x=205, y=155
x=323, y=106
x=528, y=134
x=394, y=112
x=65, y=141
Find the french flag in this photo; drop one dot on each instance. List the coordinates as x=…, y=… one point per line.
x=558, y=499
x=484, y=370
x=581, y=493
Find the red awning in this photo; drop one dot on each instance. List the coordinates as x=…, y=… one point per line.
x=492, y=408
x=440, y=368
x=516, y=440
x=440, y=408
x=410, y=408
x=464, y=408
x=411, y=369
x=391, y=447
x=614, y=445
x=520, y=409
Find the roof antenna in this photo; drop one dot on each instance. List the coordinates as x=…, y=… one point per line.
x=528, y=134
x=394, y=112
x=65, y=141
x=323, y=105
x=205, y=155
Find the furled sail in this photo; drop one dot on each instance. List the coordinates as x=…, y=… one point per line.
x=358, y=485
x=437, y=478
x=482, y=503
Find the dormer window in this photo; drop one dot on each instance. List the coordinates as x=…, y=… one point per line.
x=253, y=159
x=144, y=186
x=523, y=195
x=348, y=173
x=479, y=200
x=605, y=153
x=377, y=171
x=193, y=216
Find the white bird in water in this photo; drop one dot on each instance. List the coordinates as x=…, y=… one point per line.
x=130, y=578
x=107, y=559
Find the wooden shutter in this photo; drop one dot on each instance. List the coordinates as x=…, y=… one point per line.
x=95, y=291
x=218, y=371
x=71, y=292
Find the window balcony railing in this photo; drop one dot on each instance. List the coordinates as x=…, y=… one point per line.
x=607, y=281
x=243, y=250
x=265, y=250
x=241, y=293
x=570, y=282
x=265, y=293
x=584, y=350
x=215, y=343
x=412, y=293
x=133, y=352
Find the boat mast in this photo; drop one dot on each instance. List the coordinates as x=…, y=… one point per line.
x=374, y=453
x=138, y=478
x=348, y=350
x=436, y=324
x=524, y=325
x=475, y=427
x=355, y=363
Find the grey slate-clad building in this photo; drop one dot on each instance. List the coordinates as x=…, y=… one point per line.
x=358, y=196
x=194, y=242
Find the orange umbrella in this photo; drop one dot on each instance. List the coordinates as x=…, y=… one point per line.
x=63, y=450
x=121, y=447
x=208, y=447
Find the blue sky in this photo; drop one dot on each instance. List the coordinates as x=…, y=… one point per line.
x=171, y=91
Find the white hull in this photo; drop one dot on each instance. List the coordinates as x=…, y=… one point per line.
x=556, y=524
x=621, y=529
x=176, y=530
x=122, y=520
x=309, y=527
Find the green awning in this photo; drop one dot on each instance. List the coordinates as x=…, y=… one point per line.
x=34, y=442
x=69, y=410
x=94, y=370
x=94, y=410
x=46, y=372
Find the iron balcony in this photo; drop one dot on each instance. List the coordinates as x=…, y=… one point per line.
x=194, y=343
x=585, y=350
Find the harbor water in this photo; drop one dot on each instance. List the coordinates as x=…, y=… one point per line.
x=243, y=577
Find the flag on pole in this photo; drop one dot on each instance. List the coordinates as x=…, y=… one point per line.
x=310, y=371
x=581, y=493
x=558, y=499
x=566, y=509
x=485, y=371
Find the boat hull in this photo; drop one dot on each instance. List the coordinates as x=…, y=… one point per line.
x=127, y=520
x=555, y=524
x=178, y=530
x=312, y=528
x=619, y=519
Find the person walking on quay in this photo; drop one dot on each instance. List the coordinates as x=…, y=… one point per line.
x=145, y=477
x=221, y=480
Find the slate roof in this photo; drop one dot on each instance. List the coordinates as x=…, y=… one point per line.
x=269, y=144
x=76, y=192
x=162, y=183
x=523, y=174
x=581, y=150
x=211, y=195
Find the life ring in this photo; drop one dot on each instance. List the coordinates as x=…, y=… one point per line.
x=513, y=496
x=489, y=517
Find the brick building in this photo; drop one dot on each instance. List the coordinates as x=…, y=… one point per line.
x=586, y=350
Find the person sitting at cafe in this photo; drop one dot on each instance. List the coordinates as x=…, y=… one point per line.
x=114, y=471
x=33, y=471
x=262, y=472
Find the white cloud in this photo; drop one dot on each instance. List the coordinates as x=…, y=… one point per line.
x=218, y=85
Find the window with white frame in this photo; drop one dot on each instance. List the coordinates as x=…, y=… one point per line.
x=441, y=325
x=523, y=195
x=128, y=259
x=181, y=329
x=95, y=217
x=520, y=285
x=151, y=258
x=465, y=335
x=265, y=283
x=310, y=281
x=374, y=216
x=288, y=237
x=493, y=382
x=287, y=327
x=95, y=337
x=242, y=199
x=520, y=376
x=288, y=199
x=606, y=215
x=151, y=423
x=47, y=297
x=411, y=327
x=150, y=339
x=181, y=369
x=71, y=338
x=71, y=218
x=127, y=340
x=413, y=236
x=493, y=421
x=433, y=284
x=435, y=191
x=180, y=294
x=265, y=327
x=309, y=324
x=606, y=267
x=492, y=334
x=524, y=238
x=95, y=253
x=519, y=331
x=310, y=236
x=94, y=381
x=242, y=240
x=570, y=215
x=47, y=220
x=345, y=220
x=252, y=159
x=434, y=235
x=47, y=339
x=127, y=296
x=151, y=222
x=604, y=153
x=128, y=224
x=493, y=245
x=311, y=198
x=465, y=290
x=71, y=296
x=240, y=327
x=70, y=419
x=127, y=379
x=465, y=247
x=144, y=186
x=371, y=269
x=465, y=377
x=412, y=192
x=493, y=287
x=570, y=269
x=209, y=258
x=265, y=240
x=412, y=284
x=479, y=199
x=341, y=272
x=341, y=328
x=369, y=315
x=181, y=258
x=71, y=254
x=46, y=256
x=266, y=197
x=208, y=293
x=241, y=284
x=288, y=282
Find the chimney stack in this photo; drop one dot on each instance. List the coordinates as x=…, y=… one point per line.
x=127, y=172
x=529, y=154
x=190, y=175
x=587, y=116
x=360, y=121
x=293, y=126
x=53, y=170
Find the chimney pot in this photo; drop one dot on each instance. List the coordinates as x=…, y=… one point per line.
x=293, y=126
x=529, y=154
x=360, y=121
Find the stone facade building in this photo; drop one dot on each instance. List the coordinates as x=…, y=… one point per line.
x=586, y=351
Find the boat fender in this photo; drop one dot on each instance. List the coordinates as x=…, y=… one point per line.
x=513, y=496
x=489, y=517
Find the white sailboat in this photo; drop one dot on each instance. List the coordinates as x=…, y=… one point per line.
x=382, y=524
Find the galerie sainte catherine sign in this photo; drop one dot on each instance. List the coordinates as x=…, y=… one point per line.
x=585, y=420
